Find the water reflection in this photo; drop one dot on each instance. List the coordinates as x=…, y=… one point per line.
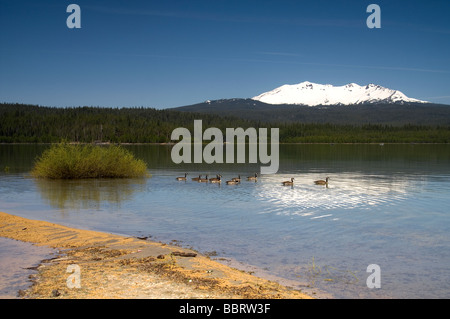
x=344, y=191
x=88, y=194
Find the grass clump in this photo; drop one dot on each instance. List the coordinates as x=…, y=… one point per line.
x=68, y=161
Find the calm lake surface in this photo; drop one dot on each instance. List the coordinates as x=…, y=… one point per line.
x=385, y=204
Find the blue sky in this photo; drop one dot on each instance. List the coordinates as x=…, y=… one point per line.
x=173, y=53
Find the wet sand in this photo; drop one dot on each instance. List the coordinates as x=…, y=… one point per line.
x=112, y=266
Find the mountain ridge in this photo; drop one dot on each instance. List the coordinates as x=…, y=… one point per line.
x=313, y=94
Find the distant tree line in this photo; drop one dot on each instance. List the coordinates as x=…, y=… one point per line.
x=20, y=123
x=389, y=114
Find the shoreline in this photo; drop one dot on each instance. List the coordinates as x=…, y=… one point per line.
x=119, y=267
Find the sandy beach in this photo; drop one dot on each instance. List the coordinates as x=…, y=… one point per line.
x=118, y=267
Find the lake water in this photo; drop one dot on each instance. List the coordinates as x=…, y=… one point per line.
x=18, y=261
x=385, y=204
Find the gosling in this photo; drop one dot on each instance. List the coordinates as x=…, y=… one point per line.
x=233, y=181
x=288, y=183
x=216, y=179
x=322, y=182
x=236, y=179
x=182, y=178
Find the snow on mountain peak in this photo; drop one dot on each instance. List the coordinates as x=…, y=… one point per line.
x=311, y=94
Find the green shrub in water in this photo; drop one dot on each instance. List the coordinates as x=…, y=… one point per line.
x=68, y=161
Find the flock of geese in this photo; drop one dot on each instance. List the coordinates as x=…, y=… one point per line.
x=237, y=180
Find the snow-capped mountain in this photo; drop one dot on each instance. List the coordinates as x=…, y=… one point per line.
x=311, y=94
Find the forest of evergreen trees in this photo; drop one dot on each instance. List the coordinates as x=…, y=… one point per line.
x=21, y=123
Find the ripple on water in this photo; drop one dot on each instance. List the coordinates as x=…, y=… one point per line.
x=349, y=192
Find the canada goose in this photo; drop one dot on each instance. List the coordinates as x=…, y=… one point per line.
x=322, y=182
x=288, y=183
x=182, y=178
x=236, y=179
x=253, y=178
x=216, y=179
x=232, y=182
x=203, y=180
x=197, y=178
